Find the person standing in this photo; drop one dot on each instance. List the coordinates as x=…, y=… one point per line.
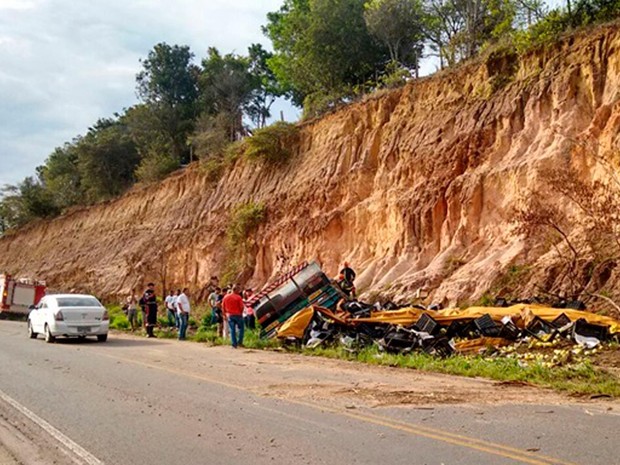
x=172, y=313
x=249, y=318
x=233, y=307
x=346, y=286
x=225, y=326
x=175, y=308
x=150, y=301
x=348, y=283
x=214, y=303
x=348, y=273
x=132, y=310
x=183, y=307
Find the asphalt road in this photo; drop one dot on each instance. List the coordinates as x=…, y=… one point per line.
x=138, y=401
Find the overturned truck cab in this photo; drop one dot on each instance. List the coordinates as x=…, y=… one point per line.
x=302, y=287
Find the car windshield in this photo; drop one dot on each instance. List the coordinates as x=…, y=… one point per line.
x=78, y=302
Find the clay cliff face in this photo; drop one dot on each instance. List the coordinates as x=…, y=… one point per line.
x=414, y=187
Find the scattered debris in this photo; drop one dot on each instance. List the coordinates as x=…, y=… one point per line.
x=307, y=308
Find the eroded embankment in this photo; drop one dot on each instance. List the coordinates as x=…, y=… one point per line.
x=415, y=187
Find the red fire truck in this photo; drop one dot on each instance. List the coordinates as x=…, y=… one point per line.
x=17, y=295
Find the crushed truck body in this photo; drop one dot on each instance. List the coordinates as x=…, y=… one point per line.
x=307, y=308
x=302, y=287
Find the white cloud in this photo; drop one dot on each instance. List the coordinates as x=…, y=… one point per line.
x=17, y=4
x=66, y=63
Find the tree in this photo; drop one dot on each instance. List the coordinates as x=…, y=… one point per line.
x=227, y=88
x=399, y=24
x=322, y=47
x=12, y=212
x=266, y=86
x=168, y=85
x=529, y=11
x=25, y=202
x=155, y=147
x=168, y=77
x=458, y=29
x=107, y=159
x=61, y=176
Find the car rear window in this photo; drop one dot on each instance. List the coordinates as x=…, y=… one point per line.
x=78, y=302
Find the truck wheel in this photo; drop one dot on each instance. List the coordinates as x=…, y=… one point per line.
x=48, y=335
x=102, y=337
x=31, y=333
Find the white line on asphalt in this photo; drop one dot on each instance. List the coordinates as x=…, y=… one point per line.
x=82, y=454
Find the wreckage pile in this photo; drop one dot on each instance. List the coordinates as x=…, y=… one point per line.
x=445, y=332
x=305, y=307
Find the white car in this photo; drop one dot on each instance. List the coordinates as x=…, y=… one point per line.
x=69, y=315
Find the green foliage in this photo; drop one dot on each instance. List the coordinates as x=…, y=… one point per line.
x=118, y=320
x=399, y=24
x=168, y=76
x=234, y=151
x=550, y=26
x=227, y=88
x=266, y=86
x=544, y=32
x=487, y=300
x=25, y=202
x=107, y=159
x=244, y=221
x=582, y=378
x=459, y=30
x=322, y=46
x=395, y=76
x=594, y=11
x=61, y=176
x=156, y=166
x=212, y=135
x=213, y=168
x=271, y=143
x=207, y=335
x=168, y=85
x=321, y=102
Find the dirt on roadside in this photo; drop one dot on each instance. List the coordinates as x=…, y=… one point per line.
x=342, y=383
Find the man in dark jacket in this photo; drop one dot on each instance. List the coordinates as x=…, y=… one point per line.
x=150, y=301
x=348, y=273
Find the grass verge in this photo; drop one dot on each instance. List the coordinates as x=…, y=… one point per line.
x=581, y=378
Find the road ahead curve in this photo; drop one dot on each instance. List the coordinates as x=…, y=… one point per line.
x=138, y=401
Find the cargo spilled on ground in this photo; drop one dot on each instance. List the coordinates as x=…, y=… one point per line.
x=305, y=312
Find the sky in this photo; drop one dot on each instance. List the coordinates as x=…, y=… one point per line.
x=66, y=63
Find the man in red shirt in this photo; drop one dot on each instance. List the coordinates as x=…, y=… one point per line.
x=232, y=307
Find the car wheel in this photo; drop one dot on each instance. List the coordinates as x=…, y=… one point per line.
x=31, y=333
x=102, y=337
x=48, y=335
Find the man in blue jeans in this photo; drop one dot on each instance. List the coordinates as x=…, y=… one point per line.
x=183, y=312
x=233, y=306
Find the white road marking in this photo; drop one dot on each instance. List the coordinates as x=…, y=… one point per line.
x=80, y=453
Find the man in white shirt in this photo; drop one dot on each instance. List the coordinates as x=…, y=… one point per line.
x=172, y=314
x=183, y=309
